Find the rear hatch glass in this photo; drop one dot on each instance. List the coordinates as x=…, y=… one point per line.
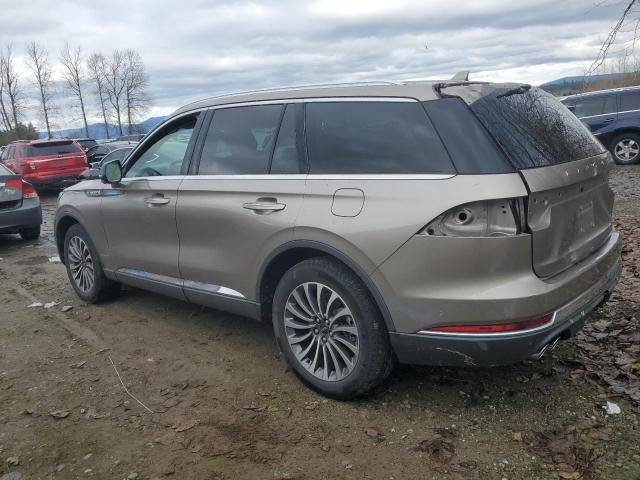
x=53, y=148
x=565, y=168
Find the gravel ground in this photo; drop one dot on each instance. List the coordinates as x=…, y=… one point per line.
x=209, y=397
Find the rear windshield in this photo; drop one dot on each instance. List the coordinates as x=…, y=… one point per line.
x=53, y=148
x=532, y=127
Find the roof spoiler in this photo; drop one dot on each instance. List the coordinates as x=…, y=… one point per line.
x=461, y=76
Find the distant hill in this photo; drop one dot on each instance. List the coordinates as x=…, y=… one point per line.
x=585, y=83
x=97, y=130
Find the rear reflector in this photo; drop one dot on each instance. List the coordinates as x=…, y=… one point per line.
x=494, y=327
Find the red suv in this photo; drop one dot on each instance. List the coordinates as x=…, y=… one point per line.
x=46, y=162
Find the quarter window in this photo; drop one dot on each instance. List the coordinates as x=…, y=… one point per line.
x=240, y=140
x=373, y=137
x=629, y=101
x=164, y=157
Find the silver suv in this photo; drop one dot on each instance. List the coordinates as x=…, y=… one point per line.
x=439, y=223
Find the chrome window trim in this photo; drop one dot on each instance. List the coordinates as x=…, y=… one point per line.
x=372, y=176
x=491, y=335
x=212, y=288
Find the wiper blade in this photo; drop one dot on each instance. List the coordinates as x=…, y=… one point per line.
x=515, y=91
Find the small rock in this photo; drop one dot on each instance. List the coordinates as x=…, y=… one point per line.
x=50, y=304
x=55, y=259
x=35, y=304
x=60, y=413
x=132, y=476
x=60, y=467
x=66, y=308
x=13, y=461
x=87, y=456
x=517, y=436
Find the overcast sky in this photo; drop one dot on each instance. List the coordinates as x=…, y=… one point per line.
x=198, y=48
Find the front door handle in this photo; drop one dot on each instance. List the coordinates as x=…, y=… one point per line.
x=264, y=205
x=156, y=200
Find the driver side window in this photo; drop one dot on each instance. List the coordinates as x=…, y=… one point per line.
x=164, y=156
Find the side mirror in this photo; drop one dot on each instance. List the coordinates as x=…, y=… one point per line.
x=111, y=172
x=90, y=174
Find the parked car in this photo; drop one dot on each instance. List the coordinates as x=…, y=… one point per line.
x=86, y=143
x=97, y=153
x=46, y=162
x=20, y=210
x=614, y=118
x=130, y=138
x=439, y=223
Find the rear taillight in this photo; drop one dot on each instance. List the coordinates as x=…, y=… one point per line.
x=28, y=190
x=15, y=185
x=489, y=218
x=489, y=328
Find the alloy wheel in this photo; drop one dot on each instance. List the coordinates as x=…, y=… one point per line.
x=321, y=331
x=627, y=150
x=81, y=264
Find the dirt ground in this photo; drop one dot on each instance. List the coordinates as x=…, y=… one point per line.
x=216, y=400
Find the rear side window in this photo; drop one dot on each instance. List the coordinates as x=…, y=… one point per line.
x=591, y=106
x=373, y=138
x=472, y=149
x=240, y=140
x=629, y=101
x=52, y=148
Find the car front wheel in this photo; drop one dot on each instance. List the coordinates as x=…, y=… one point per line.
x=330, y=330
x=84, y=268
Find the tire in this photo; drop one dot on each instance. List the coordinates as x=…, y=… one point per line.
x=93, y=288
x=31, y=233
x=625, y=149
x=352, y=317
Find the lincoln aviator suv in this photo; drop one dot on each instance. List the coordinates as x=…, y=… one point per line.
x=440, y=223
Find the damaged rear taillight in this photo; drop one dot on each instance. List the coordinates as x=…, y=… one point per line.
x=488, y=328
x=28, y=190
x=488, y=218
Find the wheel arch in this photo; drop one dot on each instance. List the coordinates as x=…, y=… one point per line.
x=295, y=251
x=63, y=224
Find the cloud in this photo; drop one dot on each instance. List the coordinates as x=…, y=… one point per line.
x=198, y=48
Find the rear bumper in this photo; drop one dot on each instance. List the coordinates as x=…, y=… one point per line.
x=64, y=179
x=434, y=281
x=503, y=349
x=28, y=215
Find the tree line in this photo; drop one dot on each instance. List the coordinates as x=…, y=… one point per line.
x=114, y=85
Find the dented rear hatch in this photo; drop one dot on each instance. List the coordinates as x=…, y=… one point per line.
x=565, y=168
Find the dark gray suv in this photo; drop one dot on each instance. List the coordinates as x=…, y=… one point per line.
x=440, y=223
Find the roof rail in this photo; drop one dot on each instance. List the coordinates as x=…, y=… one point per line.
x=302, y=87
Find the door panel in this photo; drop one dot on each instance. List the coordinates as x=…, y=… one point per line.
x=139, y=221
x=222, y=241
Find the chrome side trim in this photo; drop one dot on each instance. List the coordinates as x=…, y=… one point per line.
x=211, y=288
x=177, y=282
x=491, y=335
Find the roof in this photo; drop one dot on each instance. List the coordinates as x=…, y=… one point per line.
x=602, y=92
x=420, y=90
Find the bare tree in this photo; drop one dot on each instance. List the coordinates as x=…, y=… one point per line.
x=72, y=61
x=96, y=64
x=116, y=82
x=609, y=41
x=137, y=81
x=41, y=68
x=4, y=116
x=11, y=86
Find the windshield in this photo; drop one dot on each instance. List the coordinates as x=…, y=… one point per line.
x=533, y=128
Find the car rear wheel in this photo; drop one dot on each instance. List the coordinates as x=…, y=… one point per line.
x=31, y=233
x=330, y=330
x=84, y=268
x=626, y=149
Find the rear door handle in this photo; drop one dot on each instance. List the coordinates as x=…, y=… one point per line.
x=609, y=120
x=156, y=200
x=264, y=205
